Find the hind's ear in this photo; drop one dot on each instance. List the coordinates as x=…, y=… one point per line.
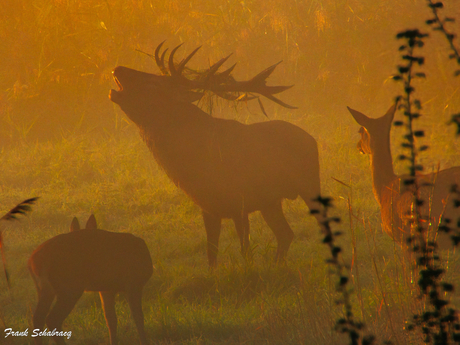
x=75, y=225
x=91, y=223
x=360, y=118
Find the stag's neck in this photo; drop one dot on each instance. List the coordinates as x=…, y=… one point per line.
x=382, y=170
x=171, y=135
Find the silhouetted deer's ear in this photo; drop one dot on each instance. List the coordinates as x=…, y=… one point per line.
x=91, y=223
x=390, y=114
x=362, y=119
x=75, y=225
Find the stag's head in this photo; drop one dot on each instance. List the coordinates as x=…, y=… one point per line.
x=138, y=90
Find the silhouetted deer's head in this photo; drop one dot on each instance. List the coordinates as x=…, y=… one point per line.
x=180, y=84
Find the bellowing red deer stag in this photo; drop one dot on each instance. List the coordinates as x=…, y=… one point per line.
x=228, y=168
x=89, y=260
x=394, y=198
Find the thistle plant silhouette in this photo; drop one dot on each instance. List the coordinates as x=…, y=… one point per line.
x=439, y=23
x=347, y=324
x=438, y=322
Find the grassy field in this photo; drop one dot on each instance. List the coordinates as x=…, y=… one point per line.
x=241, y=302
x=61, y=139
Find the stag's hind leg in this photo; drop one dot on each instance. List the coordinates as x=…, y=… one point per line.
x=212, y=224
x=275, y=219
x=242, y=229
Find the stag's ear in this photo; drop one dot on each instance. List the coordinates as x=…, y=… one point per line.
x=91, y=223
x=362, y=119
x=75, y=225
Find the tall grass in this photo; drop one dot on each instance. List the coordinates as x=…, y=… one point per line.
x=241, y=302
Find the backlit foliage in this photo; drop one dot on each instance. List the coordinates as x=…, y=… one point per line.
x=59, y=54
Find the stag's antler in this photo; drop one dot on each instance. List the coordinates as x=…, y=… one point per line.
x=222, y=84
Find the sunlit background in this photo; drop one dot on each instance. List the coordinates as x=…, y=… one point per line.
x=58, y=55
x=62, y=139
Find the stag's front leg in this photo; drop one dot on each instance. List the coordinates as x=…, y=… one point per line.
x=275, y=219
x=212, y=224
x=242, y=229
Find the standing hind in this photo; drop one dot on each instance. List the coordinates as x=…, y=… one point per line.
x=89, y=260
x=394, y=198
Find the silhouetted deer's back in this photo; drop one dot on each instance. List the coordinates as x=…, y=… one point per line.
x=89, y=260
x=102, y=263
x=228, y=168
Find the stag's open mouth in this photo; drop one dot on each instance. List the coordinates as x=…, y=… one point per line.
x=120, y=87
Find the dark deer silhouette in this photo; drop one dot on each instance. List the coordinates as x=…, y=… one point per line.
x=89, y=260
x=228, y=168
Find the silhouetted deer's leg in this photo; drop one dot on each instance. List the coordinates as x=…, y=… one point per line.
x=108, y=305
x=65, y=301
x=135, y=304
x=275, y=219
x=242, y=229
x=212, y=224
x=46, y=296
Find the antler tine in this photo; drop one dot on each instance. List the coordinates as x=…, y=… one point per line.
x=182, y=64
x=259, y=86
x=264, y=74
x=163, y=61
x=227, y=72
x=276, y=100
x=160, y=61
x=273, y=90
x=213, y=69
x=172, y=69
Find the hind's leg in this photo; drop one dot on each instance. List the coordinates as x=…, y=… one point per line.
x=108, y=305
x=275, y=219
x=45, y=298
x=65, y=301
x=135, y=304
x=242, y=229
